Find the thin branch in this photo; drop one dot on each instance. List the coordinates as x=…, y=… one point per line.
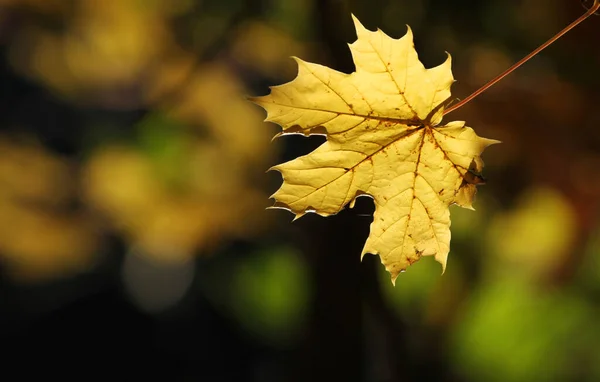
x=587, y=14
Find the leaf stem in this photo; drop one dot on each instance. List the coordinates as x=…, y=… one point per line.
x=587, y=14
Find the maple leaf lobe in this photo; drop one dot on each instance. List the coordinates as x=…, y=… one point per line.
x=383, y=140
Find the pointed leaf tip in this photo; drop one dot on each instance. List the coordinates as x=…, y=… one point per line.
x=359, y=27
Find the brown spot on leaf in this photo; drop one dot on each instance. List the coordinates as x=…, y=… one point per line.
x=473, y=178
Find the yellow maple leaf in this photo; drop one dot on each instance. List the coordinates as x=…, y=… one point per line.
x=383, y=140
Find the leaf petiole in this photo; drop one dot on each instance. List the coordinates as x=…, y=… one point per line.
x=595, y=7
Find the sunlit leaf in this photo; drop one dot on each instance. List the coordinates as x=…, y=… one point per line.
x=385, y=140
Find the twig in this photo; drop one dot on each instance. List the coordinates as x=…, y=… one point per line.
x=587, y=14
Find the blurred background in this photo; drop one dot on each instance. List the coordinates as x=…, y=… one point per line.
x=134, y=240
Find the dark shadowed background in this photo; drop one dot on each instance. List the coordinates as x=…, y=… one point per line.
x=134, y=240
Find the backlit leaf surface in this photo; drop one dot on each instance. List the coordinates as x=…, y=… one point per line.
x=384, y=139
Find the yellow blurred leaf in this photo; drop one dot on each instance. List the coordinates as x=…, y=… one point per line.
x=41, y=236
x=165, y=223
x=265, y=48
x=535, y=236
x=213, y=99
x=383, y=140
x=38, y=245
x=189, y=178
x=105, y=46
